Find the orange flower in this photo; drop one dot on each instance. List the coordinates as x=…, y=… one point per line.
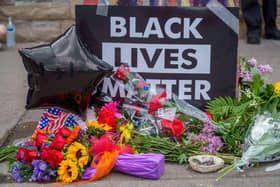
x=73, y=134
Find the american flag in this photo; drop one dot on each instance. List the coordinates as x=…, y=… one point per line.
x=54, y=118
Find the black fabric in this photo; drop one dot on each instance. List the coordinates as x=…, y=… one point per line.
x=252, y=15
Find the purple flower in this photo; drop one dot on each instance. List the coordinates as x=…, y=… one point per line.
x=16, y=173
x=42, y=166
x=89, y=172
x=52, y=173
x=209, y=142
x=46, y=178
x=264, y=69
x=247, y=76
x=39, y=171
x=252, y=62
x=35, y=162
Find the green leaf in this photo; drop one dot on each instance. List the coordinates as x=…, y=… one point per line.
x=221, y=106
x=257, y=82
x=241, y=108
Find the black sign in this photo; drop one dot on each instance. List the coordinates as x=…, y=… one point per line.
x=189, y=51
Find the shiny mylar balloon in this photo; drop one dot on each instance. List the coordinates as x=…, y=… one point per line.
x=63, y=73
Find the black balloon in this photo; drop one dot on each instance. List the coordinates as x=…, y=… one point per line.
x=63, y=73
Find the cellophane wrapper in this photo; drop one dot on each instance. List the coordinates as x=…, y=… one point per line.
x=262, y=144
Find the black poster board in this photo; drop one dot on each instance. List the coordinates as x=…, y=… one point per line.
x=190, y=51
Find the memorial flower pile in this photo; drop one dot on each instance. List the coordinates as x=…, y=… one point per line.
x=147, y=128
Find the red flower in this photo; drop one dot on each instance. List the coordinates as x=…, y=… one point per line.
x=106, y=116
x=156, y=101
x=20, y=153
x=44, y=153
x=104, y=143
x=29, y=156
x=58, y=143
x=64, y=131
x=177, y=127
x=209, y=115
x=166, y=124
x=52, y=157
x=26, y=155
x=122, y=73
x=40, y=138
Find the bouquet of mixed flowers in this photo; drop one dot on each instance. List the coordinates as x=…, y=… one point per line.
x=76, y=155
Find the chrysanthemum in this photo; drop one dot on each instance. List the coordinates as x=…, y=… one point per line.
x=68, y=171
x=78, y=152
x=97, y=125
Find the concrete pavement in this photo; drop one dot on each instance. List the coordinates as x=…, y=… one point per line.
x=13, y=88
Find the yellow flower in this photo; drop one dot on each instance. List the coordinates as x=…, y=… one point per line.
x=125, y=131
x=97, y=125
x=78, y=153
x=68, y=171
x=277, y=88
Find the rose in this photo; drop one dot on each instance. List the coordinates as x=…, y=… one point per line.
x=20, y=153
x=177, y=127
x=29, y=156
x=64, y=131
x=166, y=124
x=26, y=155
x=122, y=73
x=51, y=156
x=156, y=101
x=40, y=138
x=54, y=158
x=58, y=143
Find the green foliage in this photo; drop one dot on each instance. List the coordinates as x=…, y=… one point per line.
x=221, y=107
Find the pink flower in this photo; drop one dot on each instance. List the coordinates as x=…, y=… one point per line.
x=252, y=62
x=112, y=106
x=264, y=69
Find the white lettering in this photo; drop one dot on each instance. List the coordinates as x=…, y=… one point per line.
x=191, y=28
x=168, y=85
x=183, y=90
x=118, y=28
x=112, y=90
x=153, y=85
x=201, y=89
x=132, y=29
x=168, y=26
x=153, y=22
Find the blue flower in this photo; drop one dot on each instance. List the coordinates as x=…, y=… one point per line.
x=42, y=166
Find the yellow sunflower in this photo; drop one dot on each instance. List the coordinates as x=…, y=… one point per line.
x=68, y=171
x=78, y=152
x=97, y=125
x=277, y=88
